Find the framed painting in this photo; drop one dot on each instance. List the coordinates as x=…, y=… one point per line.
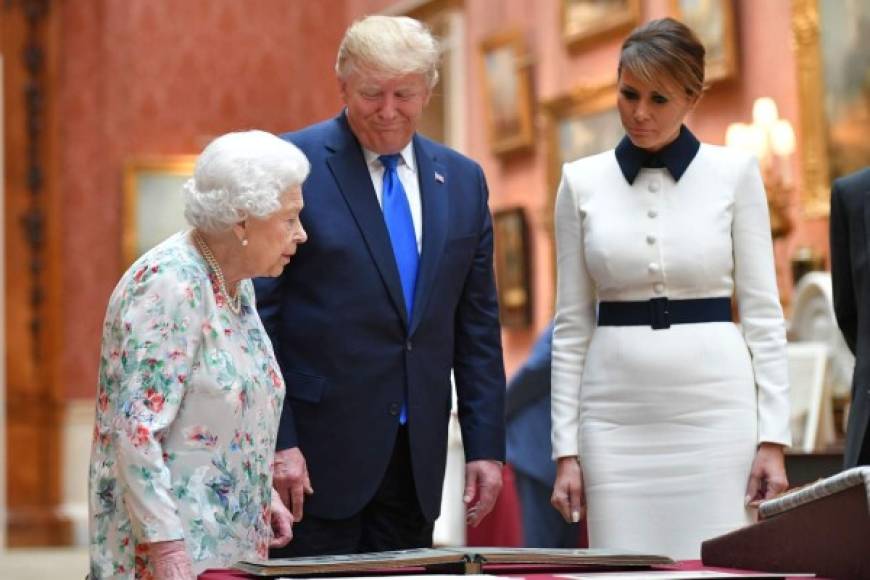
x=713, y=22
x=830, y=40
x=512, y=267
x=506, y=92
x=585, y=21
x=582, y=123
x=153, y=202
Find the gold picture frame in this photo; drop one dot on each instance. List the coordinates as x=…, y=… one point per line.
x=153, y=202
x=833, y=125
x=587, y=21
x=714, y=23
x=580, y=123
x=512, y=267
x=507, y=92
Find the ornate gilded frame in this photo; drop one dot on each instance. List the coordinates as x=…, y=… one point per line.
x=519, y=134
x=149, y=181
x=813, y=138
x=587, y=99
x=725, y=67
x=513, y=267
x=583, y=101
x=611, y=25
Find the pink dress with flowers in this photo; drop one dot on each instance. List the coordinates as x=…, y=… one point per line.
x=187, y=412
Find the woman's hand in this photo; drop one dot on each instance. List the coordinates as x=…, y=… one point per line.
x=767, y=478
x=568, y=497
x=170, y=561
x=282, y=522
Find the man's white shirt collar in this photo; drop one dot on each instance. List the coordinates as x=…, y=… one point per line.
x=407, y=157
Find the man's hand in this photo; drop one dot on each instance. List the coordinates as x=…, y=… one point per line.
x=483, y=481
x=282, y=522
x=290, y=479
x=767, y=478
x=568, y=497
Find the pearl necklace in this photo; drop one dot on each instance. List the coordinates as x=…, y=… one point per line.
x=234, y=302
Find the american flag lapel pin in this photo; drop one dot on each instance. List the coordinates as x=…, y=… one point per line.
x=439, y=178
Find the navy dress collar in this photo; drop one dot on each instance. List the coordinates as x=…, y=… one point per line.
x=675, y=157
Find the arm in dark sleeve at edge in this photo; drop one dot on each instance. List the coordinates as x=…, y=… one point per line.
x=478, y=363
x=845, y=307
x=532, y=381
x=269, y=302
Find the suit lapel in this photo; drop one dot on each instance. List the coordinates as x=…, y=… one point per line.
x=433, y=193
x=349, y=169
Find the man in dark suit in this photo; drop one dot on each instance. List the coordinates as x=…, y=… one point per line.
x=527, y=411
x=394, y=290
x=850, y=272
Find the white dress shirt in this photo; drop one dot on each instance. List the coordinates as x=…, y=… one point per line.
x=407, y=170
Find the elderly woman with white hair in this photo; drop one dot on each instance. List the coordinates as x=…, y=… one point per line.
x=190, y=393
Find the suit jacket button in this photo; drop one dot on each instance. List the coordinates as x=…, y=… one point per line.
x=394, y=409
x=409, y=346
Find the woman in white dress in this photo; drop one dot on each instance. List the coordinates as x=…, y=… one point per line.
x=668, y=419
x=190, y=392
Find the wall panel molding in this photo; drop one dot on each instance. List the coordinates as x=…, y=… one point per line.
x=30, y=33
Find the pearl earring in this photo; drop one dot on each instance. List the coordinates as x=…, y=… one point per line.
x=245, y=242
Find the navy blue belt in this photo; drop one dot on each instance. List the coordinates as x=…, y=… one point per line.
x=660, y=313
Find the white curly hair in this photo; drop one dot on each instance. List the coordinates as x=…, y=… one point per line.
x=397, y=45
x=239, y=175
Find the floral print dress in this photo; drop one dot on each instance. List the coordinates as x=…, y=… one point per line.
x=187, y=412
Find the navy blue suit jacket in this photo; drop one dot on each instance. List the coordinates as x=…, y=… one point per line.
x=527, y=409
x=850, y=274
x=347, y=350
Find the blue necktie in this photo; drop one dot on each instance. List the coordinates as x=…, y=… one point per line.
x=397, y=216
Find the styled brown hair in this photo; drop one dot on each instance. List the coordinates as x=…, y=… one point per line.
x=665, y=49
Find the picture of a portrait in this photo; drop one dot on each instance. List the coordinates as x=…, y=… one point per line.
x=584, y=21
x=713, y=22
x=153, y=202
x=510, y=234
x=508, y=104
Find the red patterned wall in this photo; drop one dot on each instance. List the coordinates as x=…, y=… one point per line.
x=151, y=77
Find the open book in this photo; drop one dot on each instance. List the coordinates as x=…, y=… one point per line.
x=456, y=560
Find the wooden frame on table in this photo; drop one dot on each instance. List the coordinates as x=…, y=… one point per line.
x=512, y=267
x=714, y=23
x=586, y=21
x=506, y=91
x=153, y=202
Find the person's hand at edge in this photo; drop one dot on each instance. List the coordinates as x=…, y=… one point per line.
x=170, y=561
x=568, y=497
x=483, y=481
x=767, y=478
x=281, y=521
x=290, y=478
